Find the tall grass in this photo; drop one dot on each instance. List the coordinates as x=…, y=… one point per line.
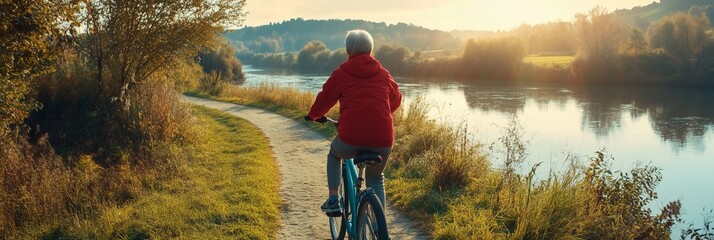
x=290, y=102
x=81, y=158
x=441, y=177
x=35, y=185
x=154, y=129
x=444, y=154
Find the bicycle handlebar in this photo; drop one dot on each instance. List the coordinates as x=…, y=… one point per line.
x=322, y=120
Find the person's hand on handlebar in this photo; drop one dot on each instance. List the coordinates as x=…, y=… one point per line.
x=322, y=119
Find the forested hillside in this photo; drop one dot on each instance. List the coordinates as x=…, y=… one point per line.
x=670, y=42
x=293, y=34
x=643, y=16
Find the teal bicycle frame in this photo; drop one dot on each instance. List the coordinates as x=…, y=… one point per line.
x=350, y=175
x=363, y=216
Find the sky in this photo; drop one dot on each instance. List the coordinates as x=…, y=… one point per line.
x=447, y=15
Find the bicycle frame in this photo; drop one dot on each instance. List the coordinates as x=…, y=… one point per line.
x=351, y=190
x=354, y=195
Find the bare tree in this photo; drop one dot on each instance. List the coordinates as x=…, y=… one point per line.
x=636, y=44
x=599, y=34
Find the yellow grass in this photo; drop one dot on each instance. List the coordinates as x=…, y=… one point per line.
x=550, y=61
x=287, y=101
x=229, y=190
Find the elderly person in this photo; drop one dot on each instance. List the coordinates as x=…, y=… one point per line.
x=368, y=97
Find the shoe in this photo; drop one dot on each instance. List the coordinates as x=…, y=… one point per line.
x=332, y=205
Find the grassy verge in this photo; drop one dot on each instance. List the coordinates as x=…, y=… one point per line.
x=549, y=61
x=229, y=189
x=459, y=191
x=288, y=102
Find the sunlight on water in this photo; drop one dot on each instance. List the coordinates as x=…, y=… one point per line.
x=672, y=131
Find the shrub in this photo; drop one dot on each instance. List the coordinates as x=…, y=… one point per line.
x=70, y=103
x=223, y=61
x=431, y=163
x=615, y=204
x=154, y=128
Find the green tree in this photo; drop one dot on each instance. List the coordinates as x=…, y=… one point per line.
x=29, y=34
x=308, y=54
x=223, y=61
x=132, y=40
x=683, y=38
x=393, y=57
x=132, y=49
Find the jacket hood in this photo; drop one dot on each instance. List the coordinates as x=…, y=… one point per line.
x=361, y=66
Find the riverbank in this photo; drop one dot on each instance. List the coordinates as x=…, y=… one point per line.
x=442, y=178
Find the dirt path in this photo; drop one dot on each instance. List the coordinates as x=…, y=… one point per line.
x=300, y=153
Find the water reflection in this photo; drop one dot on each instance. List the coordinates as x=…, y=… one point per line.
x=494, y=99
x=679, y=116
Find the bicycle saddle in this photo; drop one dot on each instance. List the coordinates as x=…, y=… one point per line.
x=368, y=158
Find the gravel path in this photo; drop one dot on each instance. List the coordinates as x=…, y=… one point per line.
x=300, y=153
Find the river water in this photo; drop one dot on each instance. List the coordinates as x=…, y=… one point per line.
x=670, y=128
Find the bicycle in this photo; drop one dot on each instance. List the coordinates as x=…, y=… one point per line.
x=369, y=221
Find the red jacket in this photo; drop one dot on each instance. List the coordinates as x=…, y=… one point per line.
x=368, y=96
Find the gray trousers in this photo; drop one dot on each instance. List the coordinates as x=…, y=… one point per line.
x=374, y=176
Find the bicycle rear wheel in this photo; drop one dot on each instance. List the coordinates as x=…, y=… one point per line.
x=338, y=223
x=371, y=223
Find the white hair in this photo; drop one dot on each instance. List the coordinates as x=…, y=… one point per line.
x=358, y=41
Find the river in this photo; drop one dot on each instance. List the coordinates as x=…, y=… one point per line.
x=670, y=128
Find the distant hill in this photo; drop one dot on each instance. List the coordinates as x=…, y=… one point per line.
x=293, y=34
x=644, y=16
